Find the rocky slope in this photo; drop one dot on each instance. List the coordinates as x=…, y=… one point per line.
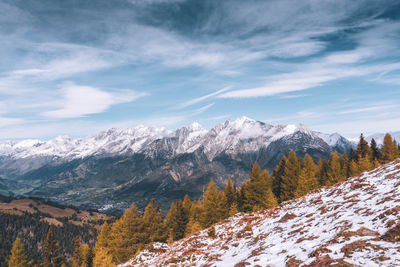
x=354, y=223
x=115, y=167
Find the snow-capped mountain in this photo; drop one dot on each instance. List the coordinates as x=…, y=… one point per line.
x=243, y=135
x=380, y=136
x=354, y=223
x=337, y=142
x=118, y=166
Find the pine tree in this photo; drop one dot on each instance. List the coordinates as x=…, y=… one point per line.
x=352, y=154
x=196, y=211
x=102, y=256
x=270, y=200
x=153, y=223
x=323, y=171
x=50, y=255
x=233, y=210
x=210, y=205
x=389, y=149
x=290, y=177
x=187, y=205
x=344, y=165
x=76, y=256
x=240, y=199
x=365, y=164
x=335, y=171
x=363, y=150
x=192, y=227
x=87, y=256
x=126, y=235
x=223, y=206
x=376, y=154
x=18, y=257
x=255, y=189
x=353, y=169
x=230, y=192
x=278, y=173
x=176, y=221
x=308, y=180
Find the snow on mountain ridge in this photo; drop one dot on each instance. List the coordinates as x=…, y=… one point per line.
x=241, y=135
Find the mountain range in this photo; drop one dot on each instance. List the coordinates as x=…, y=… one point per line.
x=109, y=170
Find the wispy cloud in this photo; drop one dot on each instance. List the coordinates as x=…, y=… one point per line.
x=79, y=100
x=202, y=98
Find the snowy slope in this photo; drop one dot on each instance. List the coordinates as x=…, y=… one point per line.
x=242, y=135
x=355, y=222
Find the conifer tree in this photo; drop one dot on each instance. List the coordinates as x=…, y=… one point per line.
x=344, y=165
x=196, y=211
x=230, y=192
x=86, y=256
x=352, y=154
x=389, y=149
x=127, y=235
x=176, y=221
x=223, y=207
x=255, y=189
x=363, y=149
x=102, y=256
x=365, y=164
x=18, y=257
x=269, y=199
x=376, y=154
x=210, y=205
x=353, y=169
x=233, y=210
x=290, y=177
x=308, y=180
x=240, y=198
x=153, y=223
x=192, y=227
x=278, y=173
x=76, y=256
x=187, y=205
x=335, y=170
x=50, y=255
x=323, y=171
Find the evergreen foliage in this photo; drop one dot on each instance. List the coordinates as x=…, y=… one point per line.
x=102, y=254
x=18, y=257
x=290, y=177
x=389, y=149
x=76, y=256
x=127, y=235
x=51, y=252
x=308, y=180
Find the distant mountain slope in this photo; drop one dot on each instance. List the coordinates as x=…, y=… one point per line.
x=356, y=223
x=114, y=168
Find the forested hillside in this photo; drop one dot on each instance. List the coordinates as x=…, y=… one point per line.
x=31, y=219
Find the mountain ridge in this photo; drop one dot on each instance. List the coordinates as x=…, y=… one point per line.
x=120, y=166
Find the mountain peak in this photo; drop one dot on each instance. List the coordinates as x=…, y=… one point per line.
x=195, y=126
x=242, y=120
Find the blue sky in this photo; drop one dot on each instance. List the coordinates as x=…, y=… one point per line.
x=77, y=67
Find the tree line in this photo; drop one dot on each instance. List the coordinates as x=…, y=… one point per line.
x=290, y=179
